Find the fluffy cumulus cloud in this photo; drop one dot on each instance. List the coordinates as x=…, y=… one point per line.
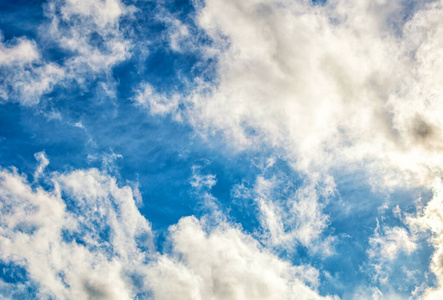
x=283, y=124
x=327, y=85
x=85, y=238
x=225, y=264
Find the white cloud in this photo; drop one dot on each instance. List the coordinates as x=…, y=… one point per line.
x=200, y=181
x=24, y=75
x=102, y=13
x=13, y=291
x=329, y=86
x=179, y=35
x=347, y=84
x=85, y=238
x=88, y=250
x=156, y=103
x=387, y=242
x=291, y=214
x=43, y=162
x=431, y=219
x=21, y=52
x=89, y=33
x=384, y=248
x=90, y=30
x=373, y=293
x=224, y=264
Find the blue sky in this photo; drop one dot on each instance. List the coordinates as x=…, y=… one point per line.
x=220, y=149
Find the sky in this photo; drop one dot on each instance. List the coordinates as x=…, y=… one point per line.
x=221, y=149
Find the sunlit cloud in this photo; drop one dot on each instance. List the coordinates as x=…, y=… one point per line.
x=221, y=149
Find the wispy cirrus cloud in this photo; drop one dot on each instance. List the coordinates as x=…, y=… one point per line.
x=88, y=35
